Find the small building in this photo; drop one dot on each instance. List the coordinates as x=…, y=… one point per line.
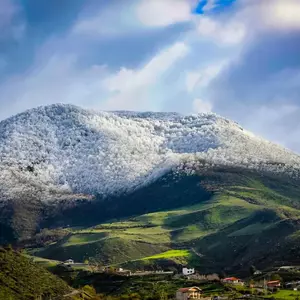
x=286, y=268
x=188, y=293
x=233, y=280
x=274, y=284
x=257, y=272
x=293, y=285
x=122, y=271
x=188, y=271
x=69, y=262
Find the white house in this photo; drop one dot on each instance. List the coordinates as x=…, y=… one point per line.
x=188, y=271
x=69, y=262
x=232, y=280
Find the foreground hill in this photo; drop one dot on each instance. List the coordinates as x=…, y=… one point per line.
x=20, y=278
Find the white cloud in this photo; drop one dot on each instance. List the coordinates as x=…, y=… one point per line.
x=134, y=16
x=129, y=79
x=113, y=20
x=258, y=16
x=203, y=77
x=226, y=32
x=250, y=18
x=202, y=106
x=191, y=80
x=281, y=14
x=57, y=79
x=132, y=86
x=159, y=13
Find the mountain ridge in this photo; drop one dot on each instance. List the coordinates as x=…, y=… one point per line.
x=63, y=149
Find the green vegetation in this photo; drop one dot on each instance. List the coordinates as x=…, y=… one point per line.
x=284, y=295
x=84, y=238
x=151, y=287
x=107, y=251
x=20, y=278
x=169, y=254
x=46, y=263
x=224, y=218
x=215, y=220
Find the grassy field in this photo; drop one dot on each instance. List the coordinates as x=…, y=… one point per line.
x=47, y=263
x=169, y=254
x=244, y=209
x=285, y=295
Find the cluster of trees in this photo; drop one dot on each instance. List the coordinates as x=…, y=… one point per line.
x=158, y=293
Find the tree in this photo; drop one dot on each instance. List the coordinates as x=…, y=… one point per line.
x=94, y=264
x=222, y=275
x=276, y=277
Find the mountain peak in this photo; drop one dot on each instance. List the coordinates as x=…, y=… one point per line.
x=63, y=148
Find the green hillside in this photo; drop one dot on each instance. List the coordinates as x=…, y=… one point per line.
x=224, y=218
x=20, y=278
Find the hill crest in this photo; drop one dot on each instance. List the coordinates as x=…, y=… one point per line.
x=59, y=150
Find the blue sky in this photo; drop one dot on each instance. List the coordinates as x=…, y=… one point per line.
x=238, y=58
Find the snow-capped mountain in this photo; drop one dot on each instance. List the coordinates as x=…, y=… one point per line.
x=63, y=149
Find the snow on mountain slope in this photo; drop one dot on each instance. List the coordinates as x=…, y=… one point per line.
x=60, y=149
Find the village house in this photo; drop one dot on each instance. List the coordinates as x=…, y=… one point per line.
x=232, y=280
x=122, y=271
x=273, y=285
x=69, y=262
x=294, y=285
x=257, y=272
x=188, y=271
x=188, y=293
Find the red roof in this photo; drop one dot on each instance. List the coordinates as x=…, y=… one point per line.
x=231, y=279
x=274, y=282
